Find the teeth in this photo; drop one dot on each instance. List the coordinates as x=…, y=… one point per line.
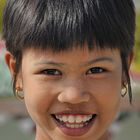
x=57, y=117
x=71, y=119
x=85, y=118
x=76, y=126
x=81, y=125
x=72, y=126
x=79, y=119
x=64, y=118
x=74, y=118
x=89, y=117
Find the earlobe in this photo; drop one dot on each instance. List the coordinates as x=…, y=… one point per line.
x=10, y=61
x=126, y=67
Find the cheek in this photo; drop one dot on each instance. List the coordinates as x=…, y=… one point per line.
x=107, y=94
x=38, y=96
x=107, y=97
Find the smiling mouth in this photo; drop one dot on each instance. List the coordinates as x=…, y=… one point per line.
x=74, y=124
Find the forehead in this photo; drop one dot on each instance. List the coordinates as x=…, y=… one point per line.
x=75, y=54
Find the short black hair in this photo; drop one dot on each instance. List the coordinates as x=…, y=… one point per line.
x=63, y=24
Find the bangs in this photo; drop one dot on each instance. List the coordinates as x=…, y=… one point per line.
x=63, y=24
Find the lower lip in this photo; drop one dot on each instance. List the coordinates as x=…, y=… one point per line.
x=75, y=131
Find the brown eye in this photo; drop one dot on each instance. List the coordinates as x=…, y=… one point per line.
x=53, y=72
x=95, y=70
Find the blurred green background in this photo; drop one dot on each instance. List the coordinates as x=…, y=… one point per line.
x=15, y=123
x=2, y=2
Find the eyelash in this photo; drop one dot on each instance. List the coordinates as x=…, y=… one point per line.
x=55, y=72
x=96, y=70
x=52, y=72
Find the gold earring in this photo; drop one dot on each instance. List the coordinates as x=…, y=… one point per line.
x=124, y=90
x=19, y=93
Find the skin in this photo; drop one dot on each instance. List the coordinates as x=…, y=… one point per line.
x=71, y=87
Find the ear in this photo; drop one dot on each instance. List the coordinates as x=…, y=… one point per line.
x=11, y=63
x=129, y=59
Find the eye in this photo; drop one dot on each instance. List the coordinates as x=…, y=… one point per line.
x=96, y=70
x=53, y=72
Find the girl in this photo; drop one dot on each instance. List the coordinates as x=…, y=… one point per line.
x=70, y=60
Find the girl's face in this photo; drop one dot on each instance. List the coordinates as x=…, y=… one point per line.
x=72, y=95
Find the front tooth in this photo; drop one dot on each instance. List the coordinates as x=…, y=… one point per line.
x=71, y=119
x=79, y=119
x=64, y=118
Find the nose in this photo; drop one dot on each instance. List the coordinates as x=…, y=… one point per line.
x=73, y=95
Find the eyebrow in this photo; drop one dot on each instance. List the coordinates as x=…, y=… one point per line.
x=50, y=63
x=101, y=59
